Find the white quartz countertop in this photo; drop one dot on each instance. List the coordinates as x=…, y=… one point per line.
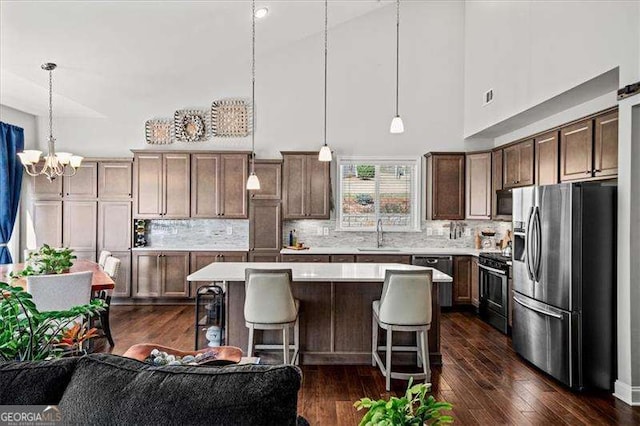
x=459, y=251
x=310, y=272
x=189, y=249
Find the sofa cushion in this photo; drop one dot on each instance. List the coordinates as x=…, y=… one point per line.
x=35, y=383
x=108, y=389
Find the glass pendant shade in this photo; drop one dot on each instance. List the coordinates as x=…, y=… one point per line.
x=30, y=156
x=325, y=153
x=253, y=183
x=64, y=157
x=75, y=161
x=397, y=126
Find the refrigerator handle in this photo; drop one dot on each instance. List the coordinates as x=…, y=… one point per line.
x=538, y=227
x=540, y=311
x=527, y=245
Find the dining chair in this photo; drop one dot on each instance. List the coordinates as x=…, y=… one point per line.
x=60, y=292
x=404, y=305
x=111, y=268
x=104, y=255
x=269, y=305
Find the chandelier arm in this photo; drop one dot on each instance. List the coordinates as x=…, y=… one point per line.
x=74, y=170
x=31, y=170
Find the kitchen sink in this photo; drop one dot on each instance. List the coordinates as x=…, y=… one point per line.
x=378, y=249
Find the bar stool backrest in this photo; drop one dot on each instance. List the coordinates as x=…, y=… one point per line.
x=406, y=297
x=268, y=296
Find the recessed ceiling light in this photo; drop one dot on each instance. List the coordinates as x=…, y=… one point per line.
x=262, y=12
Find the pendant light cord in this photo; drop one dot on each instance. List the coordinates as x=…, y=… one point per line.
x=50, y=104
x=326, y=19
x=397, y=55
x=253, y=86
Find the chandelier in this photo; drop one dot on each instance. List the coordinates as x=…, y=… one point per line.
x=55, y=163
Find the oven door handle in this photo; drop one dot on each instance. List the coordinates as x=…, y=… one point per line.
x=540, y=311
x=488, y=268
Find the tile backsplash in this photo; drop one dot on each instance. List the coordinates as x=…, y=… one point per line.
x=218, y=234
x=438, y=236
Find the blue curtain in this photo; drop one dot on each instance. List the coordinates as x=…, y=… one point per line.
x=11, y=142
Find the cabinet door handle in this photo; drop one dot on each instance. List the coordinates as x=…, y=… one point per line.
x=588, y=172
x=597, y=171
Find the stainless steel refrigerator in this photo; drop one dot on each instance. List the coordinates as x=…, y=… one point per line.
x=564, y=278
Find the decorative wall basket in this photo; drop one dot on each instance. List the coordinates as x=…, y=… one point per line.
x=190, y=125
x=230, y=118
x=159, y=131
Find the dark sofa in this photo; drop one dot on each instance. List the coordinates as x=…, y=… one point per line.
x=102, y=389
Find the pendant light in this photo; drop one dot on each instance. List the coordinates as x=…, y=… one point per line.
x=397, y=126
x=325, y=151
x=56, y=164
x=253, y=183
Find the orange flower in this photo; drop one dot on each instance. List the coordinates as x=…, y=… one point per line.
x=77, y=334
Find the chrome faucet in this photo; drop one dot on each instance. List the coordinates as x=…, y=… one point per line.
x=379, y=231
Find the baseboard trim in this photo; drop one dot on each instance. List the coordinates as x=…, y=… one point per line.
x=627, y=394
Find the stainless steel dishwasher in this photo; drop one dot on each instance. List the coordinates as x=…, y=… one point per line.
x=443, y=264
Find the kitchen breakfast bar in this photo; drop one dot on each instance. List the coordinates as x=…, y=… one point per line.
x=335, y=308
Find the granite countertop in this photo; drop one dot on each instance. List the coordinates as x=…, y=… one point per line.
x=311, y=272
x=189, y=249
x=460, y=251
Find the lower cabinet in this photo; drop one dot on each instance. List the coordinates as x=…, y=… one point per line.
x=342, y=258
x=383, y=258
x=462, y=280
x=319, y=258
x=200, y=259
x=160, y=274
x=255, y=256
x=123, y=283
x=475, y=282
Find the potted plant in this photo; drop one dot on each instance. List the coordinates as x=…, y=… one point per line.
x=414, y=408
x=27, y=334
x=47, y=260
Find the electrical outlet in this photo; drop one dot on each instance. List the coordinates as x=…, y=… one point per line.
x=467, y=232
x=429, y=232
x=326, y=231
x=229, y=230
x=319, y=230
x=440, y=231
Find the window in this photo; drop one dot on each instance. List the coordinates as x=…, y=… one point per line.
x=372, y=189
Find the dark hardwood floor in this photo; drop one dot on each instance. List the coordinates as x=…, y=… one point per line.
x=482, y=377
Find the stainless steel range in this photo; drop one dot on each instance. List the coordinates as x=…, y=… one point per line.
x=494, y=289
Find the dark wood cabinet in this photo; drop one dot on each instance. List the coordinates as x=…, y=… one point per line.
x=200, y=259
x=218, y=185
x=605, y=153
x=576, y=151
x=161, y=185
x=319, y=258
x=518, y=165
x=383, y=258
x=160, y=274
x=546, y=147
x=265, y=226
x=343, y=258
x=270, y=174
x=306, y=186
x=462, y=280
x=475, y=282
x=273, y=256
x=478, y=185
x=496, y=181
x=445, y=186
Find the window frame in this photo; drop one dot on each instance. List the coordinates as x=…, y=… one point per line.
x=416, y=163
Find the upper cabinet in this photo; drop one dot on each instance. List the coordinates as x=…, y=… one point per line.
x=270, y=174
x=496, y=180
x=84, y=184
x=547, y=158
x=605, y=159
x=478, y=185
x=114, y=180
x=518, y=165
x=306, y=186
x=218, y=185
x=445, y=186
x=576, y=151
x=161, y=185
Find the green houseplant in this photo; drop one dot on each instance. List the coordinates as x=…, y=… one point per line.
x=414, y=408
x=27, y=334
x=48, y=260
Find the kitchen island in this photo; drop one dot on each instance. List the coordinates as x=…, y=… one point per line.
x=335, y=308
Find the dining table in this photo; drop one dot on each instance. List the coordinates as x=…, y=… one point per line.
x=100, y=280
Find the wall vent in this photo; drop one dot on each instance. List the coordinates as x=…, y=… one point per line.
x=488, y=97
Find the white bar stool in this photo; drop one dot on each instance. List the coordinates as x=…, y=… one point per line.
x=269, y=305
x=405, y=305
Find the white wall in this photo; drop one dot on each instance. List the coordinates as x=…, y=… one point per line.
x=530, y=51
x=289, y=92
x=21, y=119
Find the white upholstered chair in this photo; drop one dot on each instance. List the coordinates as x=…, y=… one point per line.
x=104, y=255
x=60, y=291
x=112, y=268
x=269, y=305
x=405, y=305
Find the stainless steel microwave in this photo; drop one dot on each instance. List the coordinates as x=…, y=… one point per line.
x=504, y=203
